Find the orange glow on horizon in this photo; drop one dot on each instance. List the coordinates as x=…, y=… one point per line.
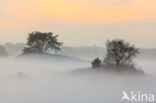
x=79, y=11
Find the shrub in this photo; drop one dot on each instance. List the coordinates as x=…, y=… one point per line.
x=96, y=63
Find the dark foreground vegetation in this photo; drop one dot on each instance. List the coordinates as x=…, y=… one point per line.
x=119, y=57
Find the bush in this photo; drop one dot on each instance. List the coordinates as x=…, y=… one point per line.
x=96, y=63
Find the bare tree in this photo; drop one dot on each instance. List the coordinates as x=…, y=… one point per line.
x=39, y=42
x=120, y=53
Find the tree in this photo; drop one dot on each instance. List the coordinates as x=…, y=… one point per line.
x=120, y=53
x=39, y=42
x=96, y=63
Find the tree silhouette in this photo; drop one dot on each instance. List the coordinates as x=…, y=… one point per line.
x=120, y=53
x=39, y=42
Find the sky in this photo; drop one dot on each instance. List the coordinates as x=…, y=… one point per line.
x=80, y=22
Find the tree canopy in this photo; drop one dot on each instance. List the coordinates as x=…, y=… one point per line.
x=120, y=52
x=39, y=42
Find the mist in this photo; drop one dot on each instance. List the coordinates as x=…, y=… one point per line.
x=38, y=79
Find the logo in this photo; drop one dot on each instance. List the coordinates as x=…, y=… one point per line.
x=137, y=97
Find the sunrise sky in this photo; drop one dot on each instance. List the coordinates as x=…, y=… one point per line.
x=80, y=22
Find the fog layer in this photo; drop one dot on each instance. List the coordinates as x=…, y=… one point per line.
x=68, y=80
